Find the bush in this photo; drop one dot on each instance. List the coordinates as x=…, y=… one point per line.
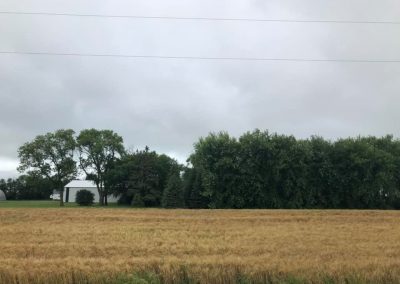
x=137, y=201
x=84, y=197
x=125, y=199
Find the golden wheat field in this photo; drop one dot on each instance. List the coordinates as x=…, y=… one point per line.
x=96, y=245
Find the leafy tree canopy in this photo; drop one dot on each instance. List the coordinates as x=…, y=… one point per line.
x=50, y=156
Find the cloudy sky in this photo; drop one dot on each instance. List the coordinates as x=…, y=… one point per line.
x=168, y=104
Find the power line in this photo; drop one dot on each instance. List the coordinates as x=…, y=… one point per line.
x=200, y=57
x=198, y=18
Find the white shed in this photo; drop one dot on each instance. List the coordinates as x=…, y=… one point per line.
x=74, y=186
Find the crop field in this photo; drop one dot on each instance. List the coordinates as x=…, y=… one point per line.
x=97, y=245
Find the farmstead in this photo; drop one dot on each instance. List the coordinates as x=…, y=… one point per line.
x=74, y=186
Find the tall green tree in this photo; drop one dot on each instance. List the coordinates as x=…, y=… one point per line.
x=143, y=177
x=142, y=174
x=173, y=194
x=98, y=150
x=193, y=190
x=52, y=157
x=320, y=174
x=216, y=158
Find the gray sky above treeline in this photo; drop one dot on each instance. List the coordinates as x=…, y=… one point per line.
x=169, y=104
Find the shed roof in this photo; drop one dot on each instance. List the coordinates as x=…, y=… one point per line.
x=81, y=183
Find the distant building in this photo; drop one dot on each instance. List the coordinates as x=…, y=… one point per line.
x=2, y=196
x=55, y=195
x=74, y=186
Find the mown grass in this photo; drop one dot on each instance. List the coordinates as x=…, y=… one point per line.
x=77, y=245
x=33, y=204
x=43, y=204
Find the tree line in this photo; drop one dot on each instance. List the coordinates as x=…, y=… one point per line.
x=26, y=187
x=263, y=170
x=257, y=170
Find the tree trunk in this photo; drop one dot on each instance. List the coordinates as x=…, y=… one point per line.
x=62, y=197
x=105, y=200
x=101, y=198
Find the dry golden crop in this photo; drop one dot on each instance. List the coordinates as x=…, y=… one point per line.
x=94, y=245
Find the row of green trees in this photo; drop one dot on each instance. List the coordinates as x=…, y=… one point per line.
x=139, y=178
x=26, y=187
x=256, y=170
x=263, y=170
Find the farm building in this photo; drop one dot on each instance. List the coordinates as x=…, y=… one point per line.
x=74, y=186
x=2, y=196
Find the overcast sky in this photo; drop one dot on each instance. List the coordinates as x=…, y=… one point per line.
x=169, y=104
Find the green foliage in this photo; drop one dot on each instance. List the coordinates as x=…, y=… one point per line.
x=142, y=173
x=263, y=170
x=173, y=194
x=137, y=201
x=84, y=197
x=143, y=177
x=193, y=190
x=256, y=170
x=50, y=156
x=217, y=160
x=98, y=150
x=27, y=187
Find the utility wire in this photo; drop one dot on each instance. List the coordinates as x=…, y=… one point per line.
x=201, y=57
x=198, y=18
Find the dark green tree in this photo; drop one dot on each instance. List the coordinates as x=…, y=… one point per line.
x=143, y=179
x=173, y=196
x=27, y=187
x=137, y=201
x=320, y=174
x=216, y=157
x=193, y=190
x=98, y=150
x=50, y=156
x=142, y=173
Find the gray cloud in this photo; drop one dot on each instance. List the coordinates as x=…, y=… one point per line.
x=168, y=104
